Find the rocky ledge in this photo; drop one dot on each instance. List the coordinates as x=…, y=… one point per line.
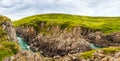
x=6, y=25
x=105, y=54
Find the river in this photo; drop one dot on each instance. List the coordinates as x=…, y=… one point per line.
x=93, y=46
x=25, y=46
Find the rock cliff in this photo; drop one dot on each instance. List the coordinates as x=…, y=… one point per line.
x=8, y=47
x=54, y=41
x=104, y=40
x=7, y=26
x=55, y=38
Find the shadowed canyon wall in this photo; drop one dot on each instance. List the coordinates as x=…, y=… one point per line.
x=56, y=41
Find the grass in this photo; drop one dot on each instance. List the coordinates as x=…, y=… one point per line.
x=87, y=54
x=8, y=49
x=4, y=52
x=108, y=50
x=111, y=50
x=104, y=24
x=3, y=18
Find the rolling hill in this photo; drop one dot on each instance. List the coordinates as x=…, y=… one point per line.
x=104, y=24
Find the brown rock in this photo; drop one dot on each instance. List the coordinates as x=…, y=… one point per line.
x=56, y=42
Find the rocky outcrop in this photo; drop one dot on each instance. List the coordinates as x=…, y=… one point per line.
x=54, y=40
x=98, y=39
x=7, y=26
x=114, y=37
x=8, y=39
x=28, y=32
x=60, y=42
x=30, y=56
x=98, y=55
x=25, y=56
x=104, y=40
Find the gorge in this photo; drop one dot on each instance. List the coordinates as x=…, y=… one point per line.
x=61, y=35
x=25, y=46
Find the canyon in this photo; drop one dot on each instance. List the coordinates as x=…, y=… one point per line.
x=56, y=41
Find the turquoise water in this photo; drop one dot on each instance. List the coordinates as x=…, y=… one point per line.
x=93, y=46
x=23, y=44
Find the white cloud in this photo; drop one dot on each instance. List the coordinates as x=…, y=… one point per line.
x=16, y=9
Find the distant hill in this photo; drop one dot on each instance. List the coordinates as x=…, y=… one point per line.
x=104, y=24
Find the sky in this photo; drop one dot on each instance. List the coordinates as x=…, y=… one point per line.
x=16, y=9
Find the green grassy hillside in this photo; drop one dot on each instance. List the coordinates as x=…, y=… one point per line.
x=6, y=48
x=104, y=24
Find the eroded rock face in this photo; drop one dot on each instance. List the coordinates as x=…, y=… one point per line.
x=98, y=55
x=114, y=37
x=25, y=56
x=60, y=43
x=7, y=26
x=100, y=39
x=28, y=33
x=30, y=56
x=55, y=41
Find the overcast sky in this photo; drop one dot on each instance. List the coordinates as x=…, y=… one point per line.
x=16, y=9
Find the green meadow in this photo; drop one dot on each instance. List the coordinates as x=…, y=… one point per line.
x=104, y=24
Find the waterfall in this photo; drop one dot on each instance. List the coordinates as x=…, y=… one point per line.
x=23, y=44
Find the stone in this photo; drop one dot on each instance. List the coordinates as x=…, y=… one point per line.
x=57, y=42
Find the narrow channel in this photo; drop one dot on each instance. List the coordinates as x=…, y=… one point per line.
x=23, y=44
x=93, y=46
